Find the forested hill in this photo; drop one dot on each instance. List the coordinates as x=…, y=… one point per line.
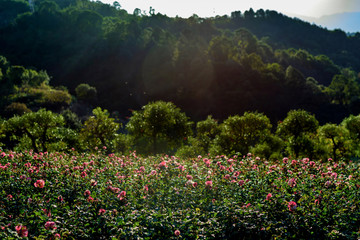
x=225, y=65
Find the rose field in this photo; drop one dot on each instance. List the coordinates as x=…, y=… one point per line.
x=98, y=196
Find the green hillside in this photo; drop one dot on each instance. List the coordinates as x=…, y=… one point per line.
x=255, y=60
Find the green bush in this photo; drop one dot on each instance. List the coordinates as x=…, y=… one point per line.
x=159, y=127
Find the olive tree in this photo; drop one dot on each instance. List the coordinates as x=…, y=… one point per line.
x=159, y=126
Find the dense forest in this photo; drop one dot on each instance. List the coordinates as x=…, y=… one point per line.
x=223, y=65
x=76, y=73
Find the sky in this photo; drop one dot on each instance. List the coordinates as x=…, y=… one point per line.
x=210, y=8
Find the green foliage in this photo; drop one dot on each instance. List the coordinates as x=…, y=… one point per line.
x=297, y=130
x=43, y=96
x=206, y=132
x=34, y=78
x=338, y=138
x=36, y=130
x=239, y=134
x=19, y=75
x=99, y=131
x=352, y=124
x=271, y=148
x=97, y=196
x=343, y=89
x=135, y=58
x=72, y=121
x=4, y=63
x=123, y=143
x=194, y=148
x=158, y=126
x=10, y=9
x=15, y=74
x=16, y=108
x=86, y=93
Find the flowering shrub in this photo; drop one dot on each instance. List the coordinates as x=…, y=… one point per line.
x=48, y=196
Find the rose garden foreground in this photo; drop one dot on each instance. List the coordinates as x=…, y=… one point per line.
x=108, y=196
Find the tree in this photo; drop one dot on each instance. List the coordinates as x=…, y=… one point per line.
x=137, y=12
x=116, y=5
x=99, y=131
x=206, y=131
x=15, y=74
x=338, y=138
x=159, y=124
x=33, y=78
x=352, y=124
x=343, y=89
x=86, y=93
x=89, y=22
x=239, y=134
x=16, y=108
x=249, y=14
x=296, y=130
x=41, y=127
x=294, y=78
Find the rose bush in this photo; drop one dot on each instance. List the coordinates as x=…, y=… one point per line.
x=98, y=196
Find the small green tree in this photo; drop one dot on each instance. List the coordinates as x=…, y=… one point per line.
x=41, y=128
x=159, y=124
x=15, y=74
x=239, y=134
x=270, y=148
x=99, y=130
x=343, y=89
x=352, y=124
x=297, y=130
x=338, y=139
x=86, y=93
x=206, y=131
x=16, y=108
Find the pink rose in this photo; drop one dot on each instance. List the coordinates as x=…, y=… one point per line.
x=292, y=206
x=50, y=225
x=268, y=196
x=22, y=231
x=163, y=165
x=292, y=182
x=39, y=183
x=241, y=182
x=122, y=195
x=177, y=232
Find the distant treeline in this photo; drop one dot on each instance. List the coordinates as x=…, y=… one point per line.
x=226, y=65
